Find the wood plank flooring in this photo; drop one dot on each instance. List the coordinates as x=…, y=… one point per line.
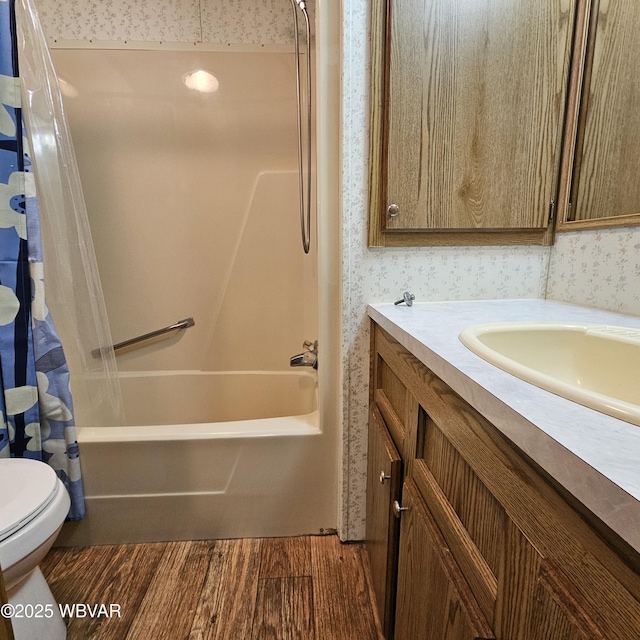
x=303, y=588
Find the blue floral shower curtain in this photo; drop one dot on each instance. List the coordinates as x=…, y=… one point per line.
x=36, y=411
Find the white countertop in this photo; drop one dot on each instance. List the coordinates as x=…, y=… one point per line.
x=592, y=455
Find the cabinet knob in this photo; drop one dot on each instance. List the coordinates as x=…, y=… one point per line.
x=397, y=509
x=383, y=477
x=393, y=210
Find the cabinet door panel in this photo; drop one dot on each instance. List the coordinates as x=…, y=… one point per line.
x=434, y=602
x=391, y=396
x=605, y=178
x=383, y=462
x=535, y=601
x=477, y=508
x=476, y=103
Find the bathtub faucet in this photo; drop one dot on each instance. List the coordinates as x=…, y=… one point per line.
x=308, y=358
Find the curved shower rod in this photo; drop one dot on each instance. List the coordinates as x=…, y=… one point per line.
x=305, y=211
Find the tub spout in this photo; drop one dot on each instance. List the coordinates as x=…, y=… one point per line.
x=308, y=358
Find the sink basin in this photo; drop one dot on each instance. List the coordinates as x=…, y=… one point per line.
x=594, y=365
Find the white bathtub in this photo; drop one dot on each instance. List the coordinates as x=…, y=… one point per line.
x=207, y=455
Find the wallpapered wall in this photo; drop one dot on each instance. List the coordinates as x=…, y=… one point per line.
x=597, y=269
x=220, y=21
x=381, y=275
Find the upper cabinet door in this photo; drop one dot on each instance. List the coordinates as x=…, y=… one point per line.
x=605, y=174
x=474, y=113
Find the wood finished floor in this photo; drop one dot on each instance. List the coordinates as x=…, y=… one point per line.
x=303, y=588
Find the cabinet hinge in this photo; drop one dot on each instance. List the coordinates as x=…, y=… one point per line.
x=552, y=211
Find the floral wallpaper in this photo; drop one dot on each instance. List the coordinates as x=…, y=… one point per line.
x=381, y=275
x=228, y=21
x=173, y=20
x=597, y=268
x=249, y=21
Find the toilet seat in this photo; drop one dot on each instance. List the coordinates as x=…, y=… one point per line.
x=29, y=487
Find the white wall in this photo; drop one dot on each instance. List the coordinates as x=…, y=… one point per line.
x=208, y=209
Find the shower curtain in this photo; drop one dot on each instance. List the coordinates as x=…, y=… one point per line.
x=35, y=404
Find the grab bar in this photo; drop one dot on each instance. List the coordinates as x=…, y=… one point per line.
x=305, y=216
x=182, y=324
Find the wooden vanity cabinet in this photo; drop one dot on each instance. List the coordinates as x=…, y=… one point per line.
x=434, y=600
x=487, y=546
x=384, y=478
x=550, y=608
x=391, y=408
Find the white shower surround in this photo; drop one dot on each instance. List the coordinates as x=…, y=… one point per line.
x=193, y=463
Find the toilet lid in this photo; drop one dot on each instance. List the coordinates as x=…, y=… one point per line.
x=26, y=487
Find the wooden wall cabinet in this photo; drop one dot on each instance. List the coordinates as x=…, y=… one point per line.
x=502, y=122
x=468, y=103
x=599, y=184
x=487, y=546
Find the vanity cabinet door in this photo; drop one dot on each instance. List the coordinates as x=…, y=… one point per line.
x=536, y=601
x=434, y=601
x=384, y=479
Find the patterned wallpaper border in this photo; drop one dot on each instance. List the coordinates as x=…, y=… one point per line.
x=597, y=268
x=228, y=21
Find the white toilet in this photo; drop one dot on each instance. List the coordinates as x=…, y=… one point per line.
x=33, y=506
